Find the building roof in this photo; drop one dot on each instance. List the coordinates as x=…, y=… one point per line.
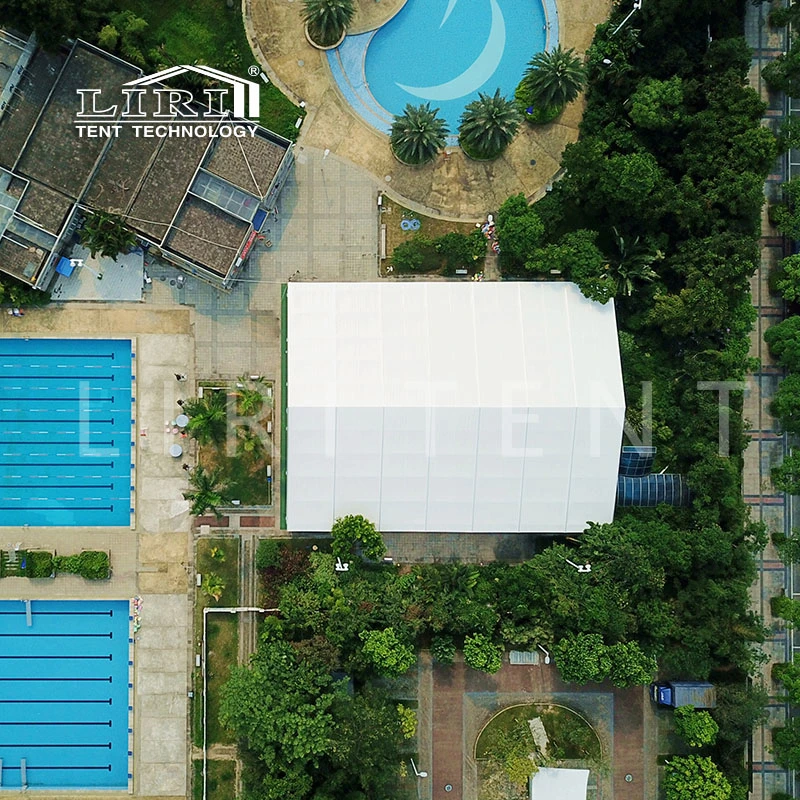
x=452, y=406
x=559, y=784
x=147, y=180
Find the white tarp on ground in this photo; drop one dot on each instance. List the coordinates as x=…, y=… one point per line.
x=452, y=406
x=559, y=784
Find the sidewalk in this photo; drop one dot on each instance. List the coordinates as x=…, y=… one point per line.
x=767, y=443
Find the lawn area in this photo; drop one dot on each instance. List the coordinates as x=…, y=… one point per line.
x=570, y=736
x=221, y=775
x=222, y=654
x=219, y=556
x=431, y=227
x=208, y=32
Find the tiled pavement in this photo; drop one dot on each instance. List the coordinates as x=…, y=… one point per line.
x=767, y=443
x=464, y=700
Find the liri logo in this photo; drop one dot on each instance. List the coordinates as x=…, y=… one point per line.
x=147, y=102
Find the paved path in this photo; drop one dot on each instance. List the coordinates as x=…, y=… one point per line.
x=767, y=443
x=464, y=700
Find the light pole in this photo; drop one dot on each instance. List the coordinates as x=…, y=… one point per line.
x=417, y=772
x=637, y=4
x=546, y=654
x=579, y=567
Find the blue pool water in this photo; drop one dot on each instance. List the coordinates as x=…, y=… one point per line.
x=65, y=432
x=443, y=52
x=64, y=694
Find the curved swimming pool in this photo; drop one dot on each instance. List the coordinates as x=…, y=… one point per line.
x=442, y=52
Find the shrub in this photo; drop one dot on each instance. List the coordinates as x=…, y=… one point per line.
x=415, y=255
x=696, y=728
x=39, y=564
x=408, y=721
x=92, y=565
x=268, y=554
x=481, y=653
x=443, y=649
x=785, y=608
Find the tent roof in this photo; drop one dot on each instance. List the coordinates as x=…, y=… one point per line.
x=452, y=406
x=559, y=784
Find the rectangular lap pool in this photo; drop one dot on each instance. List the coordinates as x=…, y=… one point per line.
x=64, y=674
x=65, y=432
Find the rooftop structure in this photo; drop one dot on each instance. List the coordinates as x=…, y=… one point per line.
x=451, y=407
x=201, y=200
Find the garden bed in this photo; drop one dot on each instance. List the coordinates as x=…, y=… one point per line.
x=216, y=557
x=220, y=779
x=92, y=565
x=393, y=217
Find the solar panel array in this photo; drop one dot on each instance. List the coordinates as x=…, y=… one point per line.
x=635, y=462
x=652, y=490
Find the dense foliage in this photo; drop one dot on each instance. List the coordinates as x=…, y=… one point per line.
x=696, y=728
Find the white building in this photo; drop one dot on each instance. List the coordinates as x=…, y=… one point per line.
x=451, y=406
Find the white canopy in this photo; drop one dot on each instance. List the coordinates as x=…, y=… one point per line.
x=559, y=784
x=451, y=406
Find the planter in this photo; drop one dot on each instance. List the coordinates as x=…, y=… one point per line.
x=480, y=159
x=317, y=46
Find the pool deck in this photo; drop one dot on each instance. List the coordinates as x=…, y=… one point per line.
x=151, y=560
x=454, y=187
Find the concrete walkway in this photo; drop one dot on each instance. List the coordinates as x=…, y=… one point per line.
x=767, y=443
x=456, y=187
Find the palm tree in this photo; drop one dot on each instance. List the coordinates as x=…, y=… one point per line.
x=209, y=491
x=248, y=396
x=208, y=419
x=553, y=79
x=488, y=125
x=327, y=19
x=107, y=234
x=418, y=134
x=249, y=440
x=634, y=263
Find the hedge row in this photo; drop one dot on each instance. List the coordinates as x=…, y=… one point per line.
x=94, y=565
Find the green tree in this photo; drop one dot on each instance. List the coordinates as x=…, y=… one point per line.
x=53, y=22
x=582, y=657
x=327, y=19
x=418, y=134
x=553, y=79
x=788, y=279
x=519, y=230
x=786, y=744
x=783, y=341
x=356, y=529
x=630, y=666
x=488, y=125
x=785, y=215
x=658, y=105
x=782, y=74
x=365, y=748
x=418, y=254
x=696, y=728
x=280, y=706
x=634, y=263
x=693, y=777
x=106, y=234
x=481, y=653
x=208, y=417
x=384, y=650
x=786, y=403
x=209, y=491
x=786, y=476
x=789, y=675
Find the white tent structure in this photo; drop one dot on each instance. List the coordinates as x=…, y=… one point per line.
x=559, y=784
x=451, y=406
